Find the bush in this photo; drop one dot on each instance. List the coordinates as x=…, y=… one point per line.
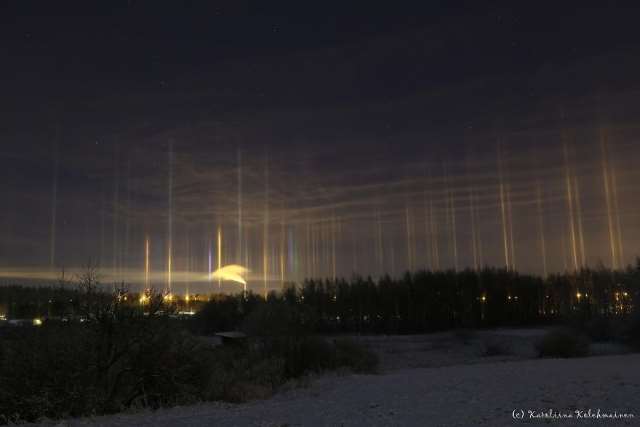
x=238, y=374
x=123, y=356
x=563, y=343
x=284, y=331
x=256, y=370
x=281, y=330
x=117, y=359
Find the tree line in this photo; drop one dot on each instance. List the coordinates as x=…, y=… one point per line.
x=421, y=301
x=427, y=301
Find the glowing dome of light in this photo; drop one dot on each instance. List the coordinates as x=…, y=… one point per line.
x=232, y=273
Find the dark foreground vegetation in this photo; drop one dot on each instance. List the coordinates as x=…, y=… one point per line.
x=99, y=353
x=114, y=354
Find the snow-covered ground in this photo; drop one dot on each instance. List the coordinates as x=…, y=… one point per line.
x=444, y=382
x=462, y=395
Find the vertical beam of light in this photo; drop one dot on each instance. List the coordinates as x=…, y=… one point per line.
x=512, y=245
x=451, y=217
x=472, y=216
x=454, y=229
x=170, y=221
x=188, y=262
x=273, y=256
x=576, y=192
x=541, y=234
x=239, y=254
x=282, y=249
x=308, y=249
x=478, y=231
x=503, y=210
x=103, y=209
x=616, y=210
x=427, y=235
x=54, y=205
x=409, y=237
x=313, y=250
x=339, y=240
x=219, y=254
x=265, y=229
x=292, y=254
x=247, y=258
x=127, y=227
x=428, y=221
x=333, y=246
x=169, y=271
x=474, y=241
x=572, y=229
x=392, y=257
x=428, y=265
x=447, y=217
x=435, y=247
x=321, y=266
x=380, y=243
x=327, y=239
x=563, y=247
x=116, y=209
x=147, y=263
x=209, y=260
x=354, y=248
x=310, y=253
x=607, y=191
x=321, y=240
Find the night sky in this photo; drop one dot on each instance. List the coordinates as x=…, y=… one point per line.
x=319, y=139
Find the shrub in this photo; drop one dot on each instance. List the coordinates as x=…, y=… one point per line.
x=563, y=343
x=284, y=331
x=308, y=354
x=117, y=359
x=238, y=374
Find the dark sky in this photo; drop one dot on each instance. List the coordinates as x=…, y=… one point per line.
x=355, y=104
